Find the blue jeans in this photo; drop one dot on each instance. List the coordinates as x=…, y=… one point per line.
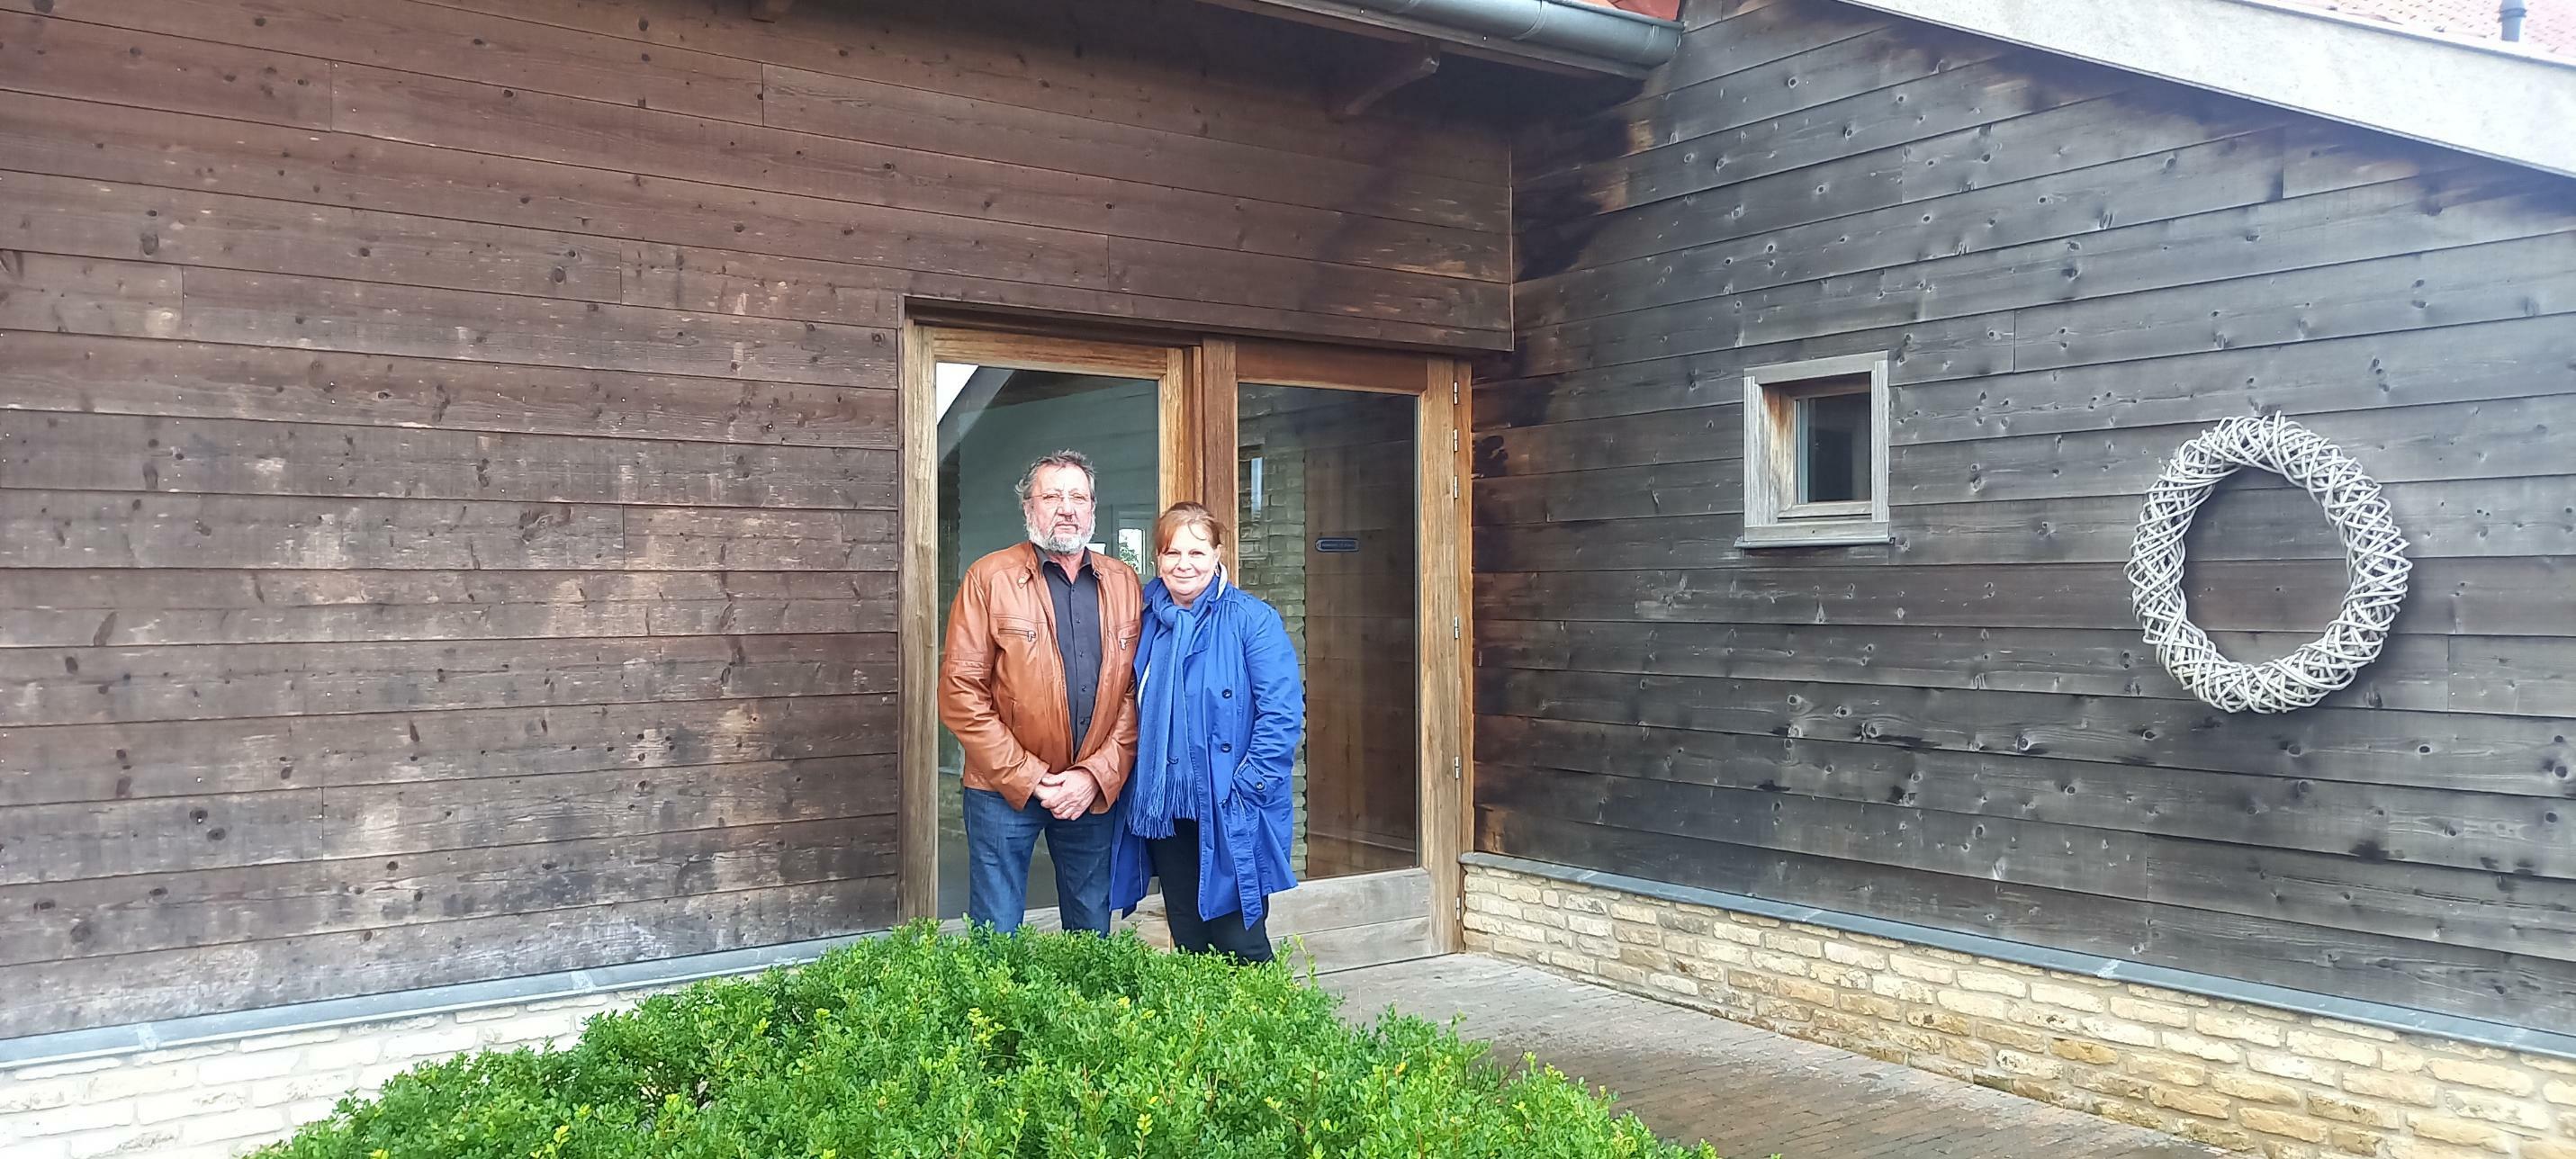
x=1000, y=840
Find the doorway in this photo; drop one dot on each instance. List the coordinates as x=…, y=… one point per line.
x=1325, y=501
x=1341, y=471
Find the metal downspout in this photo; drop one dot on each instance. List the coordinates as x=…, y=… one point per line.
x=1565, y=25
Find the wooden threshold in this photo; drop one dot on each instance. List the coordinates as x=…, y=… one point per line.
x=1338, y=923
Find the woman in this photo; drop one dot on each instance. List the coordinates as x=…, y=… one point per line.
x=1218, y=712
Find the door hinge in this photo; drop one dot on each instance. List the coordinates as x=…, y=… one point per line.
x=1454, y=627
x=1453, y=390
x=1457, y=768
x=1453, y=486
x=1458, y=909
x=1453, y=438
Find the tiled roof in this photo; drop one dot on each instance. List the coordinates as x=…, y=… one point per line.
x=2548, y=25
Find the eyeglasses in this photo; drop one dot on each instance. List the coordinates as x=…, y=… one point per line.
x=1056, y=498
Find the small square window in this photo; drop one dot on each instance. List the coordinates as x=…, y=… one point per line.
x=1815, y=453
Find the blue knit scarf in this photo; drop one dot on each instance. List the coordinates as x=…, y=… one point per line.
x=1165, y=721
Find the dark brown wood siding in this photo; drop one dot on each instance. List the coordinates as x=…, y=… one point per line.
x=448, y=484
x=2075, y=270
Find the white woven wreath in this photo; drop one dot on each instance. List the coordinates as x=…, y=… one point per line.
x=2373, y=556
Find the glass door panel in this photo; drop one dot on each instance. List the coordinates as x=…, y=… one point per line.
x=992, y=422
x=1326, y=499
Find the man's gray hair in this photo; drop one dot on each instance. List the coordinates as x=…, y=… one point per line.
x=1029, y=478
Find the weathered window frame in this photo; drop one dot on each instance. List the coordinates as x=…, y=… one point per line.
x=1772, y=516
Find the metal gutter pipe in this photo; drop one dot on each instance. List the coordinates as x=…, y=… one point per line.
x=2511, y=18
x=1567, y=27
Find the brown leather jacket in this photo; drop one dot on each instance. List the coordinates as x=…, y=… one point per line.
x=1001, y=681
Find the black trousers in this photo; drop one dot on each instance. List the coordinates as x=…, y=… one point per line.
x=1176, y=861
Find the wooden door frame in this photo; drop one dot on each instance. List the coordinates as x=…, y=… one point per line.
x=1440, y=388
x=1199, y=380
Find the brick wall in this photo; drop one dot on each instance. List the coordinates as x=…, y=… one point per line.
x=2247, y=1078
x=222, y=1099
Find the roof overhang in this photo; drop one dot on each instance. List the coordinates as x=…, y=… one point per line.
x=2477, y=97
x=1558, y=35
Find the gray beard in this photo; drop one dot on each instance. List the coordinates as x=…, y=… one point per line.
x=1065, y=546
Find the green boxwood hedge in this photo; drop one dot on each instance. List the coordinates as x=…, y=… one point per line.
x=919, y=1044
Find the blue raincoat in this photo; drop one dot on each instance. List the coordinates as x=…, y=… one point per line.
x=1243, y=708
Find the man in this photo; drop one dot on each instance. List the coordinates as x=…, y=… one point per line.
x=1037, y=682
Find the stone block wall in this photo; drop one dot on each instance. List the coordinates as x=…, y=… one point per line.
x=221, y=1099
x=2246, y=1078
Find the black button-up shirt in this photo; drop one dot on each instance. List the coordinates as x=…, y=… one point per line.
x=1077, y=638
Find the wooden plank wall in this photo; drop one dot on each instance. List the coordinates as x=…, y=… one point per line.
x=2076, y=271
x=447, y=471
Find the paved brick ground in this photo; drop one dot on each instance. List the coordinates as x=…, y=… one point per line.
x=1695, y=1076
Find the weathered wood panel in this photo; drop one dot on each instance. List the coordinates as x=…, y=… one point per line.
x=125, y=762
x=1830, y=63
x=115, y=376
x=2479, y=831
x=66, y=295
x=2052, y=141
x=104, y=142
x=2073, y=271
x=459, y=114
x=2015, y=84
x=1183, y=71
x=2095, y=213
x=80, y=529
x=375, y=318
x=1684, y=462
x=105, y=839
x=2195, y=178
x=2507, y=596
x=2476, y=283
x=1956, y=398
x=143, y=913
x=2500, y=439
x=2481, y=517
x=107, y=685
x=841, y=106
x=1948, y=349
x=43, y=55
x=85, y=452
x=89, y=218
x=2515, y=358
x=1755, y=37
x=2526, y=756
x=933, y=254
x=2512, y=675
x=437, y=40
x=2505, y=254
x=132, y=608
x=2513, y=911
x=169, y=983
x=2481, y=984
x=447, y=447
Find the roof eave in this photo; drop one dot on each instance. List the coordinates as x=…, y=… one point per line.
x=2489, y=100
